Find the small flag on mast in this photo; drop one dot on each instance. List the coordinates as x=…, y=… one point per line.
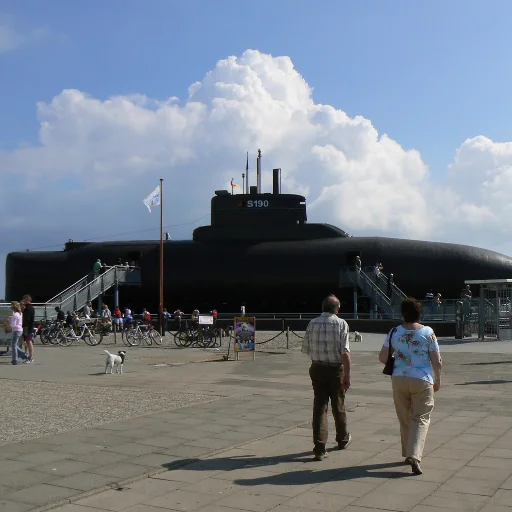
x=153, y=199
x=233, y=185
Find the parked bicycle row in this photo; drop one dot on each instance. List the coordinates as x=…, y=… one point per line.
x=59, y=333
x=55, y=332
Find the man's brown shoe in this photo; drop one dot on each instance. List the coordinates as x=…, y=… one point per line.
x=343, y=444
x=321, y=456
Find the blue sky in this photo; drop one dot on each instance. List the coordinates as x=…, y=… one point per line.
x=428, y=74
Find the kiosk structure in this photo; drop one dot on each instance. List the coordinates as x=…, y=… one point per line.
x=494, y=308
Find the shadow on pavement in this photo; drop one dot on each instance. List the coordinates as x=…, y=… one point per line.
x=296, y=477
x=486, y=363
x=498, y=381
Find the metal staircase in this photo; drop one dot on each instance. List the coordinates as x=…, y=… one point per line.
x=375, y=289
x=88, y=288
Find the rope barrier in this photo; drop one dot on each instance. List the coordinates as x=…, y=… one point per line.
x=266, y=341
x=298, y=335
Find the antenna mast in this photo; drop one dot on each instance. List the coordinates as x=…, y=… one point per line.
x=258, y=172
x=246, y=190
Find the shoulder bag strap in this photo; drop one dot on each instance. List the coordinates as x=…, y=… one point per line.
x=391, y=337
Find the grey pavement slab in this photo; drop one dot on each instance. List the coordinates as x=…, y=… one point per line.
x=247, y=444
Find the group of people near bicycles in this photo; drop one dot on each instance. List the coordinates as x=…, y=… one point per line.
x=124, y=320
x=106, y=319
x=178, y=323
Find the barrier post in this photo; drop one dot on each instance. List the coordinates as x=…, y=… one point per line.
x=288, y=337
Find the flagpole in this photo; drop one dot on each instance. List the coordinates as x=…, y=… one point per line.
x=161, y=258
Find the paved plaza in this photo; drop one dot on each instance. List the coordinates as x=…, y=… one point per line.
x=182, y=430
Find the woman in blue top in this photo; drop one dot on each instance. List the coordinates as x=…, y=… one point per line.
x=416, y=377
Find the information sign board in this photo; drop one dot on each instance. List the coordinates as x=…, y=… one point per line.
x=245, y=333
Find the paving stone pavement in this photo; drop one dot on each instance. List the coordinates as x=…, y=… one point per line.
x=248, y=448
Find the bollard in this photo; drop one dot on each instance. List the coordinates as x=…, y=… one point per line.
x=288, y=337
x=220, y=336
x=114, y=326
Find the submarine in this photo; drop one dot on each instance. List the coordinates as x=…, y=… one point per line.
x=258, y=251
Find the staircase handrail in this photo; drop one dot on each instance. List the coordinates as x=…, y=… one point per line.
x=378, y=292
x=371, y=270
x=395, y=287
x=55, y=299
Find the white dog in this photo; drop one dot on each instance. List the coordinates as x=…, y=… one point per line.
x=358, y=337
x=115, y=359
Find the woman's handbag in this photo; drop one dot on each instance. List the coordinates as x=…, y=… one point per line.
x=390, y=363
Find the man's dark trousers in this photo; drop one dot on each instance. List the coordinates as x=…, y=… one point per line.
x=327, y=383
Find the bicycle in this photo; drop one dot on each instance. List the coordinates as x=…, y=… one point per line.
x=208, y=336
x=68, y=335
x=136, y=334
x=187, y=336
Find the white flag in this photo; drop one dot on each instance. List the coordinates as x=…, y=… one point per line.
x=153, y=199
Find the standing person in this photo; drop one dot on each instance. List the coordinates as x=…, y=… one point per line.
x=376, y=272
x=16, y=324
x=215, y=315
x=28, y=325
x=61, y=316
x=177, y=319
x=128, y=318
x=118, y=319
x=242, y=310
x=358, y=264
x=106, y=316
x=326, y=343
x=417, y=357
x=166, y=316
x=96, y=267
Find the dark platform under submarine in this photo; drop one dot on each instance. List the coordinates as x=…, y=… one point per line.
x=260, y=251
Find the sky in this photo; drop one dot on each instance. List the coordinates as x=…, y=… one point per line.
x=393, y=118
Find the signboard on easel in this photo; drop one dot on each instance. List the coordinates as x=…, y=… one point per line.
x=244, y=335
x=205, y=320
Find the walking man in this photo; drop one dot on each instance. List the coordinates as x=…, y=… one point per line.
x=28, y=326
x=326, y=343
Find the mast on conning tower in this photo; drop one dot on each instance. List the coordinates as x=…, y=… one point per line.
x=258, y=172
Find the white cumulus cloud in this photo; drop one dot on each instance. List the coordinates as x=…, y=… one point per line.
x=97, y=158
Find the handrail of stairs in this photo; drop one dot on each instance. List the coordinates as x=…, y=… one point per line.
x=82, y=286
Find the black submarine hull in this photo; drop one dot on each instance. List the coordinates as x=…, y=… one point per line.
x=272, y=276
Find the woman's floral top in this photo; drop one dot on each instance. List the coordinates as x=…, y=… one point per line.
x=411, y=350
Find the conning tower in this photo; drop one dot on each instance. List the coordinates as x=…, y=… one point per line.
x=254, y=217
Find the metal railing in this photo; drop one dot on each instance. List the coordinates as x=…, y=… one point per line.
x=88, y=288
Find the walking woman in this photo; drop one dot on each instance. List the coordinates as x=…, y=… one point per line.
x=416, y=377
x=16, y=322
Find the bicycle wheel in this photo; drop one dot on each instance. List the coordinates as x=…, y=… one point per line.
x=195, y=339
x=155, y=336
x=65, y=338
x=124, y=337
x=92, y=339
x=45, y=335
x=202, y=340
x=181, y=339
x=54, y=334
x=133, y=338
x=147, y=338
